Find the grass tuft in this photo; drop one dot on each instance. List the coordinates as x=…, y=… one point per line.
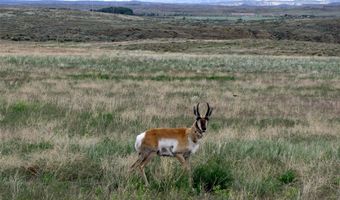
x=214, y=174
x=288, y=176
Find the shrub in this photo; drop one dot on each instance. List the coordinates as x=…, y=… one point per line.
x=213, y=174
x=287, y=177
x=117, y=10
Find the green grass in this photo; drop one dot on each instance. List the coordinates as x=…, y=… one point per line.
x=228, y=63
x=23, y=148
x=27, y=113
x=109, y=147
x=213, y=175
x=287, y=177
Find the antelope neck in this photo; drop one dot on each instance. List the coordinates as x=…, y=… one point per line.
x=196, y=133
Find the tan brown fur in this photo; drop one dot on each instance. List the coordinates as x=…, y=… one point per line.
x=153, y=136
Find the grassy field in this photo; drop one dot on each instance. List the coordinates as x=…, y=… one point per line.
x=70, y=112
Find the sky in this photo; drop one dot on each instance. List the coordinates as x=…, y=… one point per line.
x=191, y=1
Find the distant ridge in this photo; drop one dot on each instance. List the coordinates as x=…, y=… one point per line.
x=210, y=2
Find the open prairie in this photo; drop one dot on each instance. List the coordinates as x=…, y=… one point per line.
x=70, y=112
x=77, y=87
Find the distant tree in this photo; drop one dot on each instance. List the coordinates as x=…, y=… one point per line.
x=117, y=10
x=239, y=20
x=123, y=10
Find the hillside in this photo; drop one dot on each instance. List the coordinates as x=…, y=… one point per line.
x=50, y=24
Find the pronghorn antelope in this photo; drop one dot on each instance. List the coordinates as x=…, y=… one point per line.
x=174, y=142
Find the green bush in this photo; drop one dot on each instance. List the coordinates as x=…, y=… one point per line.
x=215, y=173
x=117, y=10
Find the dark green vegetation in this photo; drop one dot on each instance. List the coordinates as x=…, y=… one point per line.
x=116, y=10
x=213, y=175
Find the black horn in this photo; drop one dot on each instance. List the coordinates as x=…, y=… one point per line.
x=196, y=112
x=209, y=111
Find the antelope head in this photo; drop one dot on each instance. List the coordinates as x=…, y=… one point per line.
x=202, y=122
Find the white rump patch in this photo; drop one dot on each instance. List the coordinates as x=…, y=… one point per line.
x=139, y=140
x=167, y=146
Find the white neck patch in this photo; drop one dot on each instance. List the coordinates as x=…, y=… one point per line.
x=193, y=147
